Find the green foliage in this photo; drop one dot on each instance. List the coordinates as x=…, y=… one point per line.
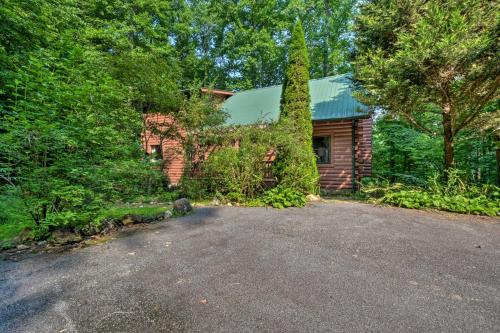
x=194, y=188
x=241, y=44
x=70, y=130
x=235, y=172
x=295, y=162
x=421, y=58
x=405, y=155
x=237, y=169
x=295, y=99
x=14, y=218
x=76, y=78
x=454, y=195
x=202, y=121
x=459, y=204
x=284, y=197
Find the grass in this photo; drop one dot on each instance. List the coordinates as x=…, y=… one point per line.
x=117, y=212
x=8, y=231
x=14, y=218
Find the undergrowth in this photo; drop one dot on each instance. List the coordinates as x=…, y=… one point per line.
x=454, y=195
x=284, y=197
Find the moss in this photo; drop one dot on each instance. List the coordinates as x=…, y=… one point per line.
x=14, y=221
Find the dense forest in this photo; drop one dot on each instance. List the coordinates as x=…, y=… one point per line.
x=76, y=78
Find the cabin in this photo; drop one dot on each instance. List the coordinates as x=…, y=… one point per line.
x=342, y=129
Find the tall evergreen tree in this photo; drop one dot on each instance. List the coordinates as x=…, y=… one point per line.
x=295, y=99
x=296, y=163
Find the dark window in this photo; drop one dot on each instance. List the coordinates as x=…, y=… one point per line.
x=322, y=149
x=156, y=153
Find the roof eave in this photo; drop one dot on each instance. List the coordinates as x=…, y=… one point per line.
x=365, y=116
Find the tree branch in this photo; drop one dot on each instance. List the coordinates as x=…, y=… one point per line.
x=414, y=122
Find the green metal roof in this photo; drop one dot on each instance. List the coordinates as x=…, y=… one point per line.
x=331, y=99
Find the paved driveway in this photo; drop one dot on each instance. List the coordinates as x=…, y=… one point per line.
x=335, y=267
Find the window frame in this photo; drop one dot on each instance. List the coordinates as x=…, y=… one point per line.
x=330, y=159
x=153, y=159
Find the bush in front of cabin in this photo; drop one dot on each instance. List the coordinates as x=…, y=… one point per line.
x=284, y=197
x=236, y=171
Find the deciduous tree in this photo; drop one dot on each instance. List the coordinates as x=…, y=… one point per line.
x=435, y=57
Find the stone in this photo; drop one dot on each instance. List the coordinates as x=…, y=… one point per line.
x=109, y=225
x=41, y=243
x=112, y=224
x=22, y=247
x=64, y=236
x=312, y=197
x=215, y=202
x=149, y=219
x=89, y=229
x=182, y=206
x=131, y=219
x=167, y=214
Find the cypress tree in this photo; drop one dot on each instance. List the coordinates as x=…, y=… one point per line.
x=296, y=162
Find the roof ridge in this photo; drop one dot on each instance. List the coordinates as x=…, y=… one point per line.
x=253, y=89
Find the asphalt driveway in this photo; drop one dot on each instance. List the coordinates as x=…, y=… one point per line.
x=329, y=267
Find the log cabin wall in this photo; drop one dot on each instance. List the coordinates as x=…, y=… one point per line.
x=337, y=175
x=172, y=152
x=364, y=147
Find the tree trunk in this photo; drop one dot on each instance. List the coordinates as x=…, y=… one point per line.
x=498, y=165
x=392, y=161
x=448, y=138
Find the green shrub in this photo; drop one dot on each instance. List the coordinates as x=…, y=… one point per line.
x=170, y=195
x=194, y=188
x=457, y=203
x=238, y=173
x=284, y=197
x=233, y=173
x=14, y=217
x=454, y=195
x=295, y=167
x=129, y=181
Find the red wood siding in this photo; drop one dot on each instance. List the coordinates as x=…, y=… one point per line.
x=334, y=176
x=173, y=158
x=364, y=148
x=338, y=174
